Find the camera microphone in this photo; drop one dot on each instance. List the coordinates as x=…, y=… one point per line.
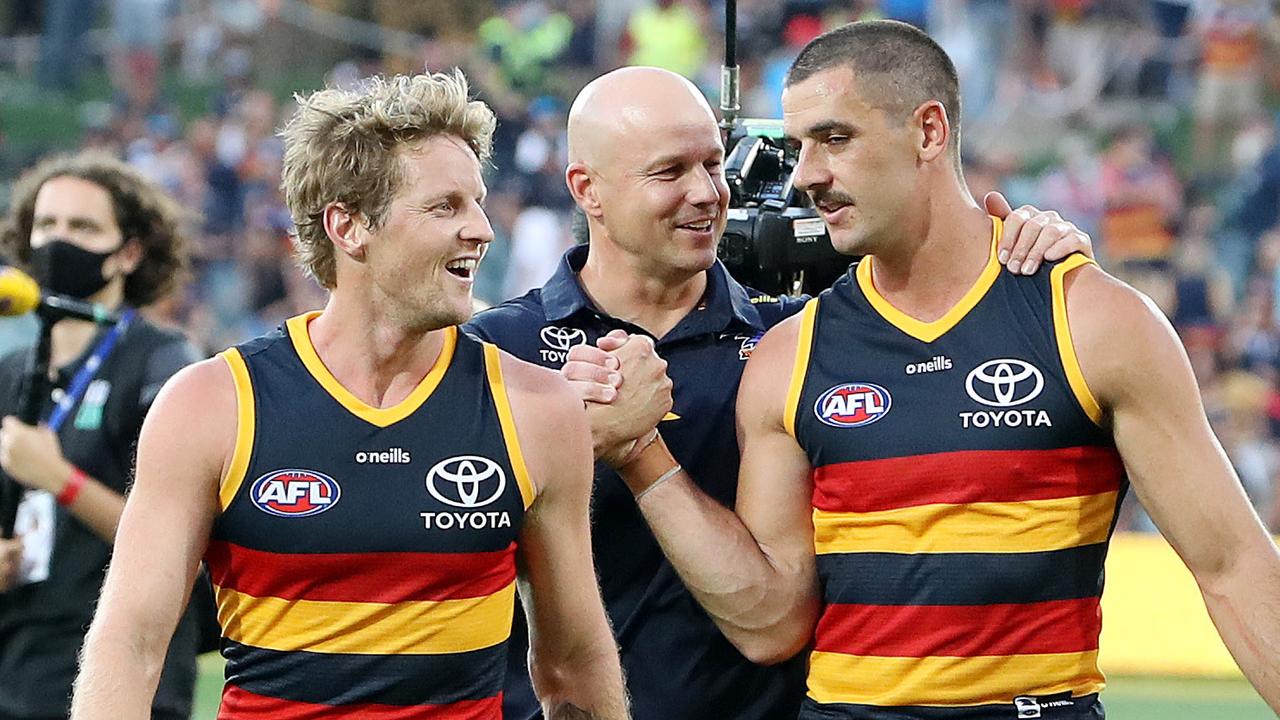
x=19, y=295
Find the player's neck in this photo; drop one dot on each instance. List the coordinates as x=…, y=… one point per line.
x=376, y=359
x=621, y=286
x=936, y=260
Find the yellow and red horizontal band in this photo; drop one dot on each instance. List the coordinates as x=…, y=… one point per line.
x=998, y=527
x=377, y=577
x=968, y=476
x=949, y=681
x=1056, y=626
x=419, y=627
x=238, y=704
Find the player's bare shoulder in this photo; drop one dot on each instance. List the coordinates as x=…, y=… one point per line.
x=194, y=417
x=549, y=418
x=1121, y=338
x=766, y=379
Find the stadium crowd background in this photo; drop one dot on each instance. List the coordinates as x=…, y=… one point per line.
x=1150, y=123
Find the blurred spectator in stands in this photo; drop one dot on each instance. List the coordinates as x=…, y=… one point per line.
x=1252, y=340
x=139, y=32
x=1252, y=450
x=1203, y=290
x=1172, y=57
x=1073, y=185
x=62, y=45
x=541, y=152
x=539, y=237
x=503, y=206
x=670, y=34
x=1228, y=92
x=1141, y=199
x=525, y=40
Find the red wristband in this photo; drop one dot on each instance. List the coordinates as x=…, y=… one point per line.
x=72, y=489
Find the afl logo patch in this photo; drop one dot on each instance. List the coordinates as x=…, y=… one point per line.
x=294, y=493
x=466, y=481
x=853, y=405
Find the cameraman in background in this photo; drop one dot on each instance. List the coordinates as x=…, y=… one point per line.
x=86, y=226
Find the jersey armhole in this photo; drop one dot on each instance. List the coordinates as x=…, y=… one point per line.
x=229, y=485
x=493, y=370
x=800, y=368
x=1062, y=332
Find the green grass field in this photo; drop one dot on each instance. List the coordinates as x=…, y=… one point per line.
x=1127, y=698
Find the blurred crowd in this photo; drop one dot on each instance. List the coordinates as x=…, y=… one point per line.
x=1150, y=123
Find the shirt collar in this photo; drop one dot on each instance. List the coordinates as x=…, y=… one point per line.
x=725, y=299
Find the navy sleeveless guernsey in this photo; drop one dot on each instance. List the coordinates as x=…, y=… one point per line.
x=363, y=560
x=964, y=493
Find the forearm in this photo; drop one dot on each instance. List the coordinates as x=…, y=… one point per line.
x=1245, y=607
x=765, y=605
x=589, y=687
x=582, y=680
x=99, y=508
x=119, y=673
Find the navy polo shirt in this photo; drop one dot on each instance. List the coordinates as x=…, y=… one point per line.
x=678, y=666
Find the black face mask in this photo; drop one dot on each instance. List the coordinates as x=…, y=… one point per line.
x=64, y=268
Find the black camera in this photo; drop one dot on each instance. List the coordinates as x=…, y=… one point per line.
x=774, y=240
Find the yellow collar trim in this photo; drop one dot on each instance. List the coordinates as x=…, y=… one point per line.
x=930, y=331
x=381, y=417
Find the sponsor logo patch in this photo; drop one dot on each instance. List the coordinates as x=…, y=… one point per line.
x=558, y=340
x=748, y=345
x=1004, y=382
x=466, y=481
x=294, y=493
x=853, y=405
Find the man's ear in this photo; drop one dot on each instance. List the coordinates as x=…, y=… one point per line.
x=934, y=128
x=125, y=260
x=584, y=189
x=345, y=229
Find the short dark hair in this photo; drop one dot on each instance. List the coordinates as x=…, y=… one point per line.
x=903, y=66
x=143, y=211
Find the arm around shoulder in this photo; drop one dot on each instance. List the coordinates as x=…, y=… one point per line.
x=183, y=452
x=573, y=659
x=1138, y=371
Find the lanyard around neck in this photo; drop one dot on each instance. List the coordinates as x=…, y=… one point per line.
x=80, y=383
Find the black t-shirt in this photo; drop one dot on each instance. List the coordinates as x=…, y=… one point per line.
x=42, y=625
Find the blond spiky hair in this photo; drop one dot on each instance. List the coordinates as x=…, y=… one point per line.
x=343, y=146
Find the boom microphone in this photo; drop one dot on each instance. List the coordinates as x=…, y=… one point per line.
x=19, y=295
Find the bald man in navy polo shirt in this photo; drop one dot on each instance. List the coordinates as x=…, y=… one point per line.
x=646, y=169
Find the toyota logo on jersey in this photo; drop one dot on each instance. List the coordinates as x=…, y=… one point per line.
x=562, y=338
x=853, y=405
x=1004, y=382
x=466, y=481
x=295, y=493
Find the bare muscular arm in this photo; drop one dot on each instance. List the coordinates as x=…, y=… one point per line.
x=752, y=569
x=573, y=659
x=1140, y=375
x=185, y=442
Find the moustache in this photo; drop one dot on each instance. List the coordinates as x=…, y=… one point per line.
x=830, y=197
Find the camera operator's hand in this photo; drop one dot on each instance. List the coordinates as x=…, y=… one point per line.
x=1032, y=236
x=10, y=561
x=640, y=399
x=33, y=456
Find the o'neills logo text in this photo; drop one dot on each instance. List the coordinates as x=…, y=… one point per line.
x=385, y=457
x=935, y=364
